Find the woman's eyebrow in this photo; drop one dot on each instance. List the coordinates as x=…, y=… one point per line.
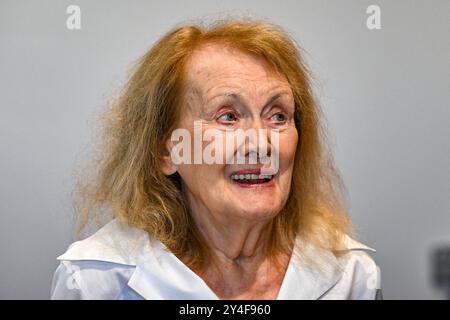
x=238, y=97
x=273, y=99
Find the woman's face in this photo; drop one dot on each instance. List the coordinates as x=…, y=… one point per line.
x=230, y=90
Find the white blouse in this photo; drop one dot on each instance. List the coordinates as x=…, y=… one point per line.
x=120, y=262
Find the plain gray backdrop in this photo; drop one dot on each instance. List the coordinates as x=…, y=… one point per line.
x=385, y=94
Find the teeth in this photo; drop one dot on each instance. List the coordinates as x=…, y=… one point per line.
x=250, y=176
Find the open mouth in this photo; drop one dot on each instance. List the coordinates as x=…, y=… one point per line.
x=251, y=179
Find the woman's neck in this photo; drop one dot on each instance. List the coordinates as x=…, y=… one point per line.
x=239, y=264
x=234, y=241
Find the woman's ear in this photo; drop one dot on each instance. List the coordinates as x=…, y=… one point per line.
x=167, y=165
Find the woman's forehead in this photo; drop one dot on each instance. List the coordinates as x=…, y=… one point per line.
x=218, y=66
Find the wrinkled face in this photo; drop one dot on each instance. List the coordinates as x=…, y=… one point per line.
x=229, y=90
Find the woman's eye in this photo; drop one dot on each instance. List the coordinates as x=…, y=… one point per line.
x=227, y=117
x=279, y=117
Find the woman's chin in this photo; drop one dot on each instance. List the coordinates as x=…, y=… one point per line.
x=262, y=204
x=255, y=211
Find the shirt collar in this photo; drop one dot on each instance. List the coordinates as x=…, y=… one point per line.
x=159, y=274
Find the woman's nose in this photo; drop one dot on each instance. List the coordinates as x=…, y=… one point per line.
x=257, y=142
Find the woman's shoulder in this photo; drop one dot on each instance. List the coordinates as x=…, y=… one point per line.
x=355, y=253
x=115, y=242
x=361, y=273
x=348, y=273
x=100, y=266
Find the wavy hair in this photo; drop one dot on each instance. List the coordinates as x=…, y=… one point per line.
x=125, y=177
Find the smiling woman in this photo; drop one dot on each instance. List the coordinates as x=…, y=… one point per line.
x=223, y=230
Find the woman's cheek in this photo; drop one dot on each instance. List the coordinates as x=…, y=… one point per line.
x=288, y=147
x=215, y=148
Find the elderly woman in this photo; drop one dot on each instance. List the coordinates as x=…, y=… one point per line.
x=221, y=230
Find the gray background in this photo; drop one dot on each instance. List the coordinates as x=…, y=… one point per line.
x=385, y=94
